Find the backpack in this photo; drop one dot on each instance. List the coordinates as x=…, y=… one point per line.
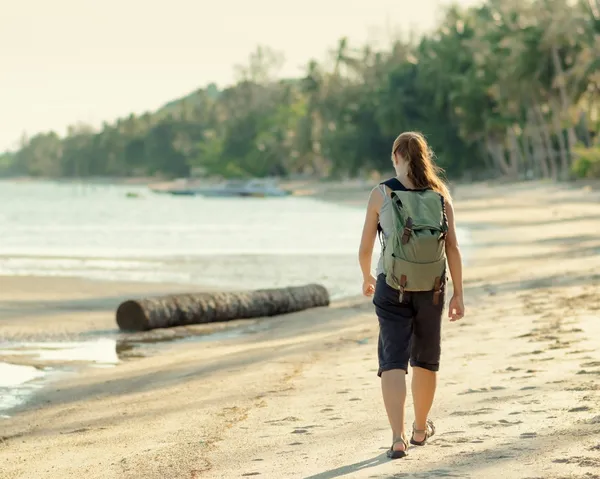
x=414, y=254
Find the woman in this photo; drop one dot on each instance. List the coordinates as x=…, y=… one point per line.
x=410, y=323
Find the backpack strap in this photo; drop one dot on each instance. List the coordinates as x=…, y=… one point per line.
x=393, y=184
x=444, y=217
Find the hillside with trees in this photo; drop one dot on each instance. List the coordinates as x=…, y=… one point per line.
x=507, y=88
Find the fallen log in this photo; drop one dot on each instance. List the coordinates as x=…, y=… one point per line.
x=199, y=308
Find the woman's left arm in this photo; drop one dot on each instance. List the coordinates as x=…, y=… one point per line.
x=367, y=241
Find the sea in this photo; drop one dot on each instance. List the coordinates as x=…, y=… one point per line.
x=129, y=233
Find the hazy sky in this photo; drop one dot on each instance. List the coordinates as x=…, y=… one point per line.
x=63, y=61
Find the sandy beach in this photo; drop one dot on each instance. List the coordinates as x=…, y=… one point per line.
x=298, y=396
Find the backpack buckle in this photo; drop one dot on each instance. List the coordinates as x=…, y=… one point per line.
x=437, y=290
x=407, y=230
x=402, y=284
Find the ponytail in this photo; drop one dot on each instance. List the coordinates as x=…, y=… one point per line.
x=423, y=172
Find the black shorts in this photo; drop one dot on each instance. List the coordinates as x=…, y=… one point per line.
x=408, y=331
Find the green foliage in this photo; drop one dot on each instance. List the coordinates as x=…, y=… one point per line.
x=499, y=88
x=7, y=164
x=587, y=163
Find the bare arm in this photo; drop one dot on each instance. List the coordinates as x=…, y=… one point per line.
x=369, y=234
x=453, y=251
x=455, y=265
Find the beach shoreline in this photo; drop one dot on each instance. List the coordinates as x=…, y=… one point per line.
x=298, y=397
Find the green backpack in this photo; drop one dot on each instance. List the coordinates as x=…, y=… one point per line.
x=414, y=254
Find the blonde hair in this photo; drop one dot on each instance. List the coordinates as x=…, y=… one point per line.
x=422, y=169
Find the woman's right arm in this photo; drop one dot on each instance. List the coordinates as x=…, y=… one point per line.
x=456, y=307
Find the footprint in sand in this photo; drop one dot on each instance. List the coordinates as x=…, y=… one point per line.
x=593, y=420
x=528, y=435
x=541, y=359
x=526, y=335
x=452, y=442
x=580, y=461
x=435, y=473
x=282, y=421
x=300, y=431
x=497, y=457
x=482, y=390
x=527, y=403
x=497, y=399
x=580, y=409
x=504, y=422
x=586, y=387
x=78, y=431
x=475, y=412
x=344, y=391
x=581, y=351
x=356, y=399
x=251, y=474
x=495, y=424
x=585, y=371
x=593, y=364
x=327, y=409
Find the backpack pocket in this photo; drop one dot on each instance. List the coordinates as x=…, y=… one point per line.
x=424, y=245
x=415, y=276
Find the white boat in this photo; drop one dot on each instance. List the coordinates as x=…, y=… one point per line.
x=240, y=188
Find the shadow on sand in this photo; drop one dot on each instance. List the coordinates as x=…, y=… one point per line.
x=352, y=468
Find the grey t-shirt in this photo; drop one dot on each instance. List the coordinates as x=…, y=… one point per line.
x=386, y=221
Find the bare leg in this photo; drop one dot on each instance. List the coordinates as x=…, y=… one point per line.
x=393, y=387
x=423, y=391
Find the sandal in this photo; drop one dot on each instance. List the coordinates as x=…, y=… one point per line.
x=428, y=431
x=392, y=454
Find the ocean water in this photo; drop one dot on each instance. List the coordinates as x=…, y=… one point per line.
x=96, y=231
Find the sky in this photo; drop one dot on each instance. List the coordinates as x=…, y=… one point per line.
x=69, y=61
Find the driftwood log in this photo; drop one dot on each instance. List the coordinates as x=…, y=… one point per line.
x=184, y=309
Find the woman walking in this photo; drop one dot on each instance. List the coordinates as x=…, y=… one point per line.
x=413, y=214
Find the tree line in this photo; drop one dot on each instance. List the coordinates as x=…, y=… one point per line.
x=508, y=87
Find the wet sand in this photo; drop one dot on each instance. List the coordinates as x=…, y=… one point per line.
x=298, y=396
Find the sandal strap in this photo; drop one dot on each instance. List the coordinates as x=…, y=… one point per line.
x=429, y=427
x=399, y=440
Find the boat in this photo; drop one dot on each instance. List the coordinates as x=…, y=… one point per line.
x=258, y=188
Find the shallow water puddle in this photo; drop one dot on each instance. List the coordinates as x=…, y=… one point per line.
x=15, y=374
x=100, y=351
x=26, y=367
x=19, y=381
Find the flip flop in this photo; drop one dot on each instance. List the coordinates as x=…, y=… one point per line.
x=428, y=431
x=392, y=454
